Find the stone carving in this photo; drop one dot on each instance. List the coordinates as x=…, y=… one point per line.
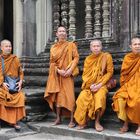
x=72, y=20
x=88, y=19
x=97, y=17
x=64, y=13
x=106, y=19
x=56, y=16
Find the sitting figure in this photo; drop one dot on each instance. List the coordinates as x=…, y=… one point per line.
x=12, y=108
x=91, y=102
x=126, y=101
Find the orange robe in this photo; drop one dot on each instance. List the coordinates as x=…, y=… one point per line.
x=12, y=107
x=88, y=102
x=126, y=101
x=60, y=90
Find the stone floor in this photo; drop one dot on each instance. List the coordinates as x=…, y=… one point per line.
x=45, y=131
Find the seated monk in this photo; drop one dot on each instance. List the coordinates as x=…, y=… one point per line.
x=12, y=108
x=91, y=102
x=126, y=101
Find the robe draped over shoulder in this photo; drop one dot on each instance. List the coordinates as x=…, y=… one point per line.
x=60, y=90
x=126, y=101
x=12, y=106
x=88, y=102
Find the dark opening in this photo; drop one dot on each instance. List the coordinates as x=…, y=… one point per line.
x=8, y=20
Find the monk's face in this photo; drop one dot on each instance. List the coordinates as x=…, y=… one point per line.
x=6, y=47
x=96, y=47
x=135, y=45
x=61, y=33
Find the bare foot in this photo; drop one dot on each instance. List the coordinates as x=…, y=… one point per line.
x=80, y=127
x=17, y=127
x=138, y=131
x=71, y=125
x=57, y=122
x=98, y=127
x=124, y=129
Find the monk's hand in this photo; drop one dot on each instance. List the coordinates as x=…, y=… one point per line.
x=68, y=72
x=19, y=85
x=97, y=87
x=92, y=87
x=5, y=85
x=61, y=72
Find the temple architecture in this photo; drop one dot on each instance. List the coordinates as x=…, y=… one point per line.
x=31, y=27
x=31, y=24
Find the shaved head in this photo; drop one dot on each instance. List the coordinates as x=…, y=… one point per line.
x=5, y=41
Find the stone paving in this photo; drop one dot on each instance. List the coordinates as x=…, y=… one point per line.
x=45, y=131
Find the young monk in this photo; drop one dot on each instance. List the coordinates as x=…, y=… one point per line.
x=60, y=85
x=12, y=105
x=91, y=102
x=126, y=101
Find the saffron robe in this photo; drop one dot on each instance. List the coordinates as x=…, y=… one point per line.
x=126, y=101
x=12, y=106
x=88, y=102
x=60, y=90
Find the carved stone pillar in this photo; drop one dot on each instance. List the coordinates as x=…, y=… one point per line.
x=97, y=17
x=72, y=21
x=106, y=19
x=64, y=13
x=88, y=19
x=56, y=16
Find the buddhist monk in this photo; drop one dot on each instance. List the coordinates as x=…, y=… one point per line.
x=12, y=108
x=91, y=102
x=126, y=101
x=59, y=91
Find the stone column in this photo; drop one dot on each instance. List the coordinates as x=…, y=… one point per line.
x=44, y=24
x=72, y=20
x=18, y=27
x=97, y=17
x=64, y=13
x=56, y=16
x=29, y=28
x=106, y=19
x=1, y=19
x=88, y=19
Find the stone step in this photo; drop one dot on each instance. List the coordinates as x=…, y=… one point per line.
x=7, y=132
x=86, y=134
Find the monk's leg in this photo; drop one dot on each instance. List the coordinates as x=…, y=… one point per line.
x=98, y=126
x=58, y=118
x=71, y=124
x=138, y=130
x=124, y=128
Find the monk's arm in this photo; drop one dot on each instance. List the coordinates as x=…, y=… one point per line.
x=75, y=57
x=109, y=70
x=1, y=76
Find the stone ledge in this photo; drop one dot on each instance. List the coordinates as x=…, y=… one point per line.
x=90, y=133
